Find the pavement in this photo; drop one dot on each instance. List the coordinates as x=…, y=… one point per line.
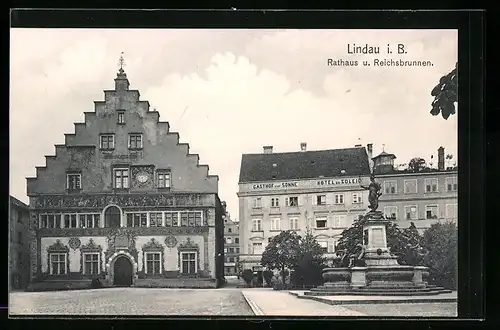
x=205, y=302
x=282, y=303
x=131, y=301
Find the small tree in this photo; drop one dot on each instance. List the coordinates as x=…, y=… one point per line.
x=417, y=164
x=445, y=95
x=268, y=276
x=281, y=252
x=247, y=276
x=311, y=261
x=441, y=240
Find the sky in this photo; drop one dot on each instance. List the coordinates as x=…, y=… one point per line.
x=230, y=92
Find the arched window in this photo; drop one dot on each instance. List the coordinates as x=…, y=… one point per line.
x=112, y=217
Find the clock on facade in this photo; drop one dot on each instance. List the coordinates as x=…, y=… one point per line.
x=142, y=177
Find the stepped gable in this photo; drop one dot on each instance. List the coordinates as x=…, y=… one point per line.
x=304, y=165
x=85, y=139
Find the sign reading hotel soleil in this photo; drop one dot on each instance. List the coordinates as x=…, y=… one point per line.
x=303, y=184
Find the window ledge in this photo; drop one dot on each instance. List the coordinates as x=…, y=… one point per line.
x=73, y=191
x=135, y=149
x=257, y=231
x=121, y=190
x=275, y=230
x=321, y=228
x=107, y=149
x=121, y=124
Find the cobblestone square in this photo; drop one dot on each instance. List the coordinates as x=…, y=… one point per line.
x=131, y=301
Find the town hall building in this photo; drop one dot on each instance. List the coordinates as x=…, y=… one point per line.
x=123, y=201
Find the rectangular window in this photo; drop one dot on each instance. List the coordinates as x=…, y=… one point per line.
x=324, y=246
x=275, y=202
x=121, y=117
x=294, y=223
x=107, y=141
x=57, y=264
x=339, y=199
x=411, y=212
x=321, y=222
x=237, y=250
x=155, y=219
x=321, y=200
x=257, y=203
x=74, y=181
x=91, y=263
x=292, y=201
x=391, y=212
x=171, y=219
x=139, y=219
x=188, y=262
x=431, y=185
x=70, y=221
x=236, y=240
x=50, y=221
x=452, y=211
x=229, y=240
x=231, y=250
x=121, y=178
x=153, y=263
x=390, y=187
x=231, y=259
x=340, y=221
x=256, y=225
x=357, y=198
x=452, y=184
x=411, y=186
x=257, y=248
x=163, y=179
x=431, y=212
x=89, y=220
x=229, y=230
x=135, y=141
x=275, y=223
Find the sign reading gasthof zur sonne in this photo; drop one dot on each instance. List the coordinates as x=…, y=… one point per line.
x=304, y=184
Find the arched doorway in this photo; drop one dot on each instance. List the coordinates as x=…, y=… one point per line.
x=112, y=217
x=122, y=272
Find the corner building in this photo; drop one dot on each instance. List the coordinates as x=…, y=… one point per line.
x=122, y=200
x=18, y=244
x=319, y=190
x=420, y=197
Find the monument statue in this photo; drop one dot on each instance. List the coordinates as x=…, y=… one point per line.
x=374, y=189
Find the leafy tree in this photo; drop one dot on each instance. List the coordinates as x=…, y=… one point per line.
x=311, y=261
x=247, y=276
x=445, y=95
x=281, y=252
x=404, y=243
x=441, y=240
x=417, y=164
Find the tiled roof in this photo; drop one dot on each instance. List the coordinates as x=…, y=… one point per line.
x=304, y=165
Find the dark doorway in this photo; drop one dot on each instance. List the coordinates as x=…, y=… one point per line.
x=123, y=272
x=112, y=217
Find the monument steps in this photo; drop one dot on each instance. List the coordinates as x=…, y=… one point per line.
x=362, y=292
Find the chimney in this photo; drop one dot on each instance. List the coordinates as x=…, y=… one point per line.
x=441, y=159
x=303, y=146
x=369, y=151
x=268, y=149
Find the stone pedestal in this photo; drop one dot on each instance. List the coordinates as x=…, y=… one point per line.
x=358, y=277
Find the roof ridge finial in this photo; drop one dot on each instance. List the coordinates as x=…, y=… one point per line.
x=121, y=63
x=383, y=146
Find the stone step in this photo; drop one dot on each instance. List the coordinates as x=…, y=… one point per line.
x=375, y=293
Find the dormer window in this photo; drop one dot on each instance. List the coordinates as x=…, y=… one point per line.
x=107, y=141
x=121, y=118
x=135, y=141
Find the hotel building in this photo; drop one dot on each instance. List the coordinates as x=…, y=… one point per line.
x=317, y=190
